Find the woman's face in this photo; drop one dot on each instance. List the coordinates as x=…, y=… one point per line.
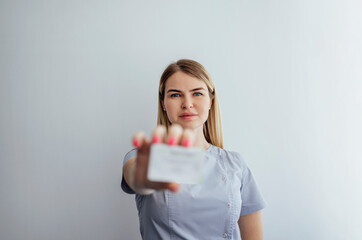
x=187, y=100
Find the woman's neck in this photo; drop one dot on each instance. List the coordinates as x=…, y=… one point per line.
x=200, y=140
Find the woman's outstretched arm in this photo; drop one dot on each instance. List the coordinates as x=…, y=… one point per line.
x=135, y=170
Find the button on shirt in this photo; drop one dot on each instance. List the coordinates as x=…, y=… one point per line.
x=209, y=210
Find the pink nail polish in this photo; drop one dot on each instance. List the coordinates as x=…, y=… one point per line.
x=187, y=143
x=174, y=188
x=136, y=143
x=155, y=139
x=172, y=141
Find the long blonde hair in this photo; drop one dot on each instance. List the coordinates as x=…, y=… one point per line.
x=212, y=127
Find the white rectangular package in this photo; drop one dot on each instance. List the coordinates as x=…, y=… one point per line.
x=175, y=164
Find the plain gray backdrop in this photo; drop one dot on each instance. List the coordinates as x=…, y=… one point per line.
x=78, y=78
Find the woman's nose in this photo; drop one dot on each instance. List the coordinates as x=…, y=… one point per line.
x=187, y=103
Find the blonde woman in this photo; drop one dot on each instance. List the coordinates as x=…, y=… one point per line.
x=227, y=204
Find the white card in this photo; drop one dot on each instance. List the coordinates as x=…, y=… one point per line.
x=175, y=164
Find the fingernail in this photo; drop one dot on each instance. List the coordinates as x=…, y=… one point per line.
x=136, y=143
x=172, y=141
x=175, y=187
x=187, y=142
x=155, y=139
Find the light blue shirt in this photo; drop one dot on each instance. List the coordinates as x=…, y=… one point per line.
x=209, y=210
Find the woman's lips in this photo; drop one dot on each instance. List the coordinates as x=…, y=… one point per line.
x=188, y=115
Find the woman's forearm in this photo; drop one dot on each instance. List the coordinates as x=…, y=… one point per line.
x=251, y=226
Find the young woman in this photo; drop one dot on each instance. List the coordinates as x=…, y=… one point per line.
x=228, y=203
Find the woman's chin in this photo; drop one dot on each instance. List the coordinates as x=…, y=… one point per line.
x=189, y=124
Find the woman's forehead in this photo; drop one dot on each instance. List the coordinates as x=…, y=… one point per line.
x=183, y=81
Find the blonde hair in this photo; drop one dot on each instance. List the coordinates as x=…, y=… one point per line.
x=212, y=126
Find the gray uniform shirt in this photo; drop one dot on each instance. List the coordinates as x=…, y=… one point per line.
x=209, y=210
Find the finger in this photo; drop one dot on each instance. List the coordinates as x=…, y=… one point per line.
x=138, y=139
x=174, y=134
x=141, y=165
x=187, y=138
x=174, y=187
x=159, y=134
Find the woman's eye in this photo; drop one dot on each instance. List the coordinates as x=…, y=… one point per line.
x=175, y=95
x=197, y=94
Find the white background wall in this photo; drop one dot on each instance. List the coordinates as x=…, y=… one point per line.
x=78, y=78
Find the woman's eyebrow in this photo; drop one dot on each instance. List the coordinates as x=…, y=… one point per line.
x=197, y=89
x=193, y=90
x=173, y=90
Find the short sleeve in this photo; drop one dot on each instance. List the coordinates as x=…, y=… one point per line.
x=124, y=185
x=252, y=199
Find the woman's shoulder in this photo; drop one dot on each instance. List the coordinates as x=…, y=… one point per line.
x=229, y=158
x=130, y=154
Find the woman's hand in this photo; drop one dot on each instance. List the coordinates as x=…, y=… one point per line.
x=135, y=170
